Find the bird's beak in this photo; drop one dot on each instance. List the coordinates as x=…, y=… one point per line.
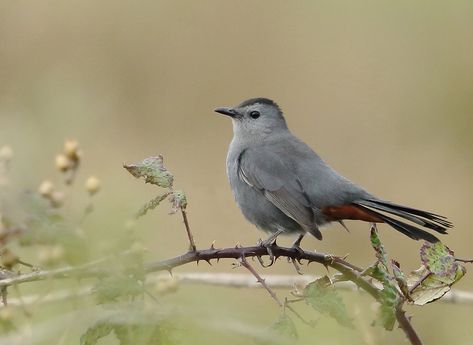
x=226, y=111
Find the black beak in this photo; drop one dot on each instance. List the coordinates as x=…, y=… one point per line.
x=226, y=111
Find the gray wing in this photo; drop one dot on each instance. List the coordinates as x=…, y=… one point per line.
x=265, y=171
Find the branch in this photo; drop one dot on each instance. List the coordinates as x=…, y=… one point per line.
x=406, y=326
x=228, y=280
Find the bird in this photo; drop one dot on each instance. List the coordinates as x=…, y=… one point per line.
x=283, y=187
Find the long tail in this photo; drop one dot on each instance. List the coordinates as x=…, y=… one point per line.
x=425, y=219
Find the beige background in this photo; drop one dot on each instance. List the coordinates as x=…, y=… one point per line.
x=381, y=90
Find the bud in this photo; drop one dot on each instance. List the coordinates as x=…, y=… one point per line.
x=57, y=199
x=46, y=189
x=92, y=185
x=71, y=149
x=63, y=163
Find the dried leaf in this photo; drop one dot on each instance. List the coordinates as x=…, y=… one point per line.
x=427, y=287
x=178, y=200
x=153, y=171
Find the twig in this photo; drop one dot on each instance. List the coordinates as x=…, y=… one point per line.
x=260, y=280
x=467, y=261
x=406, y=326
x=188, y=230
x=229, y=280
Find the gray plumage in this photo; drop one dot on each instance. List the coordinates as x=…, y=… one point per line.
x=281, y=184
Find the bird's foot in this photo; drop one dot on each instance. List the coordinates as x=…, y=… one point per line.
x=268, y=245
x=300, y=251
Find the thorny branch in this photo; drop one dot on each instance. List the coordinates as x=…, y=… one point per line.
x=99, y=268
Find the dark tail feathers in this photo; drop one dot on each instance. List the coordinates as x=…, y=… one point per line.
x=423, y=218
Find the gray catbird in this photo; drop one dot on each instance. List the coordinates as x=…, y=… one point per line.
x=282, y=186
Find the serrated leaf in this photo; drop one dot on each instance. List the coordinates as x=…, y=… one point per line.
x=110, y=289
x=153, y=171
x=321, y=296
x=378, y=247
x=387, y=309
x=285, y=326
x=400, y=279
x=95, y=333
x=438, y=258
x=150, y=205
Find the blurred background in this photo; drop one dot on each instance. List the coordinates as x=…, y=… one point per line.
x=383, y=91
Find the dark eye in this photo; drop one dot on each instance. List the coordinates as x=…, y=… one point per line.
x=255, y=114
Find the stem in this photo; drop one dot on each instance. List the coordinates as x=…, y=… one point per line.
x=260, y=280
x=188, y=229
x=406, y=326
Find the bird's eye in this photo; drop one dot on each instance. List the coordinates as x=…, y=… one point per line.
x=255, y=114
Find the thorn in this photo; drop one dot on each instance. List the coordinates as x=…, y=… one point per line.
x=296, y=267
x=212, y=246
x=330, y=280
x=344, y=226
x=208, y=261
x=218, y=259
x=237, y=245
x=170, y=272
x=346, y=255
x=197, y=262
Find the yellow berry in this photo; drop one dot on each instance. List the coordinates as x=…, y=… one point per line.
x=63, y=163
x=92, y=185
x=71, y=148
x=46, y=188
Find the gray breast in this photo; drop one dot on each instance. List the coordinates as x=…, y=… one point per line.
x=256, y=208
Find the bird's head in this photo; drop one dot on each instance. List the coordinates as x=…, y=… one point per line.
x=255, y=117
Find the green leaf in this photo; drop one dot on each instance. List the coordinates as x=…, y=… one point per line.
x=285, y=327
x=378, y=247
x=110, y=289
x=387, y=309
x=438, y=258
x=400, y=279
x=153, y=171
x=150, y=205
x=321, y=296
x=95, y=333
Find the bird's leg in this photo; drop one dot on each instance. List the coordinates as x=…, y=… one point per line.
x=267, y=243
x=297, y=245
